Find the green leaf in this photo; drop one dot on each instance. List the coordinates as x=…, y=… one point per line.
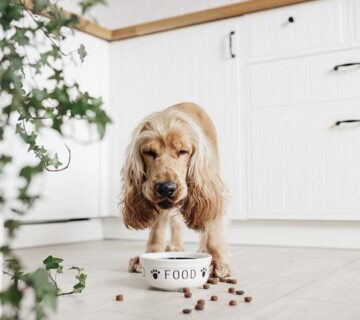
x=52, y=263
x=12, y=295
x=11, y=226
x=28, y=172
x=44, y=289
x=82, y=52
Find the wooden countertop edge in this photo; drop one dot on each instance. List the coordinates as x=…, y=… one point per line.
x=186, y=20
x=215, y=14
x=84, y=25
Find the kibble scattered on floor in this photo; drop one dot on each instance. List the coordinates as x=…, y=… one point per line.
x=200, y=304
x=232, y=302
x=187, y=311
x=231, y=290
x=119, y=297
x=199, y=307
x=231, y=281
x=201, y=301
x=212, y=281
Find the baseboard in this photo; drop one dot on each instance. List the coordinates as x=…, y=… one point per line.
x=43, y=234
x=275, y=233
x=272, y=233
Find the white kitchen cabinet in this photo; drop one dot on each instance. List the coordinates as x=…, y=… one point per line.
x=303, y=166
x=192, y=64
x=74, y=192
x=316, y=26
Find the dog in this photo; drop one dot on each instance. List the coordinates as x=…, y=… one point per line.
x=171, y=173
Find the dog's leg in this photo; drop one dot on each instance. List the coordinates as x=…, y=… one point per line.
x=203, y=242
x=217, y=247
x=155, y=243
x=176, y=241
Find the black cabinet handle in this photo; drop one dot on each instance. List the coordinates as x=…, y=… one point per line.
x=231, y=34
x=336, y=68
x=338, y=123
x=291, y=20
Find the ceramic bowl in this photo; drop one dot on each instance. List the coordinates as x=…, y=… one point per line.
x=175, y=270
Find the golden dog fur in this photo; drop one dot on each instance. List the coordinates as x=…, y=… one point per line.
x=177, y=144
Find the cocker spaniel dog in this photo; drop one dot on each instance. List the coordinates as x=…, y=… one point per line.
x=171, y=173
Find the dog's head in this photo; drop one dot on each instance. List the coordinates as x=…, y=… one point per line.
x=169, y=164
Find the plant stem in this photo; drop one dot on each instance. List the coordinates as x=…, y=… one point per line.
x=53, y=280
x=65, y=293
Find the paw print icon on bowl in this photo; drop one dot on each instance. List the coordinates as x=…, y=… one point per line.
x=155, y=273
x=203, y=272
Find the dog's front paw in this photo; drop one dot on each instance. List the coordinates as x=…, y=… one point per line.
x=174, y=248
x=134, y=265
x=218, y=268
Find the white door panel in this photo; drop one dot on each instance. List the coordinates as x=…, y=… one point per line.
x=304, y=167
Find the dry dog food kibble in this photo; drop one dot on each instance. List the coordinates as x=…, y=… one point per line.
x=119, y=297
x=212, y=281
x=186, y=290
x=248, y=299
x=240, y=292
x=201, y=301
x=232, y=303
x=187, y=294
x=214, y=298
x=222, y=279
x=206, y=286
x=199, y=307
x=231, y=290
x=232, y=281
x=187, y=311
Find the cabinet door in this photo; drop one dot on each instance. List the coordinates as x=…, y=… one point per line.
x=192, y=64
x=305, y=166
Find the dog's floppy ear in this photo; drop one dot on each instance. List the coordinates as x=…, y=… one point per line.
x=205, y=200
x=138, y=212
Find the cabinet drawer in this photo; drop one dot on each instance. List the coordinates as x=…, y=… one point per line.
x=305, y=167
x=305, y=80
x=309, y=27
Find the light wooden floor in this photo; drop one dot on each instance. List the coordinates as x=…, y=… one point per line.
x=285, y=283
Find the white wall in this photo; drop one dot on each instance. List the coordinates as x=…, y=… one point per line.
x=123, y=13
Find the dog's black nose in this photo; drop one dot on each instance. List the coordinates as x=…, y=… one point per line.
x=165, y=189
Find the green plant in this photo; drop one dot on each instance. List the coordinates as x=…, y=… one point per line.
x=27, y=108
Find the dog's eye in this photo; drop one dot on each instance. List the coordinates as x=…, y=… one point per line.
x=151, y=154
x=181, y=152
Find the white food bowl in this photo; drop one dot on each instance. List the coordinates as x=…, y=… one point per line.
x=175, y=270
